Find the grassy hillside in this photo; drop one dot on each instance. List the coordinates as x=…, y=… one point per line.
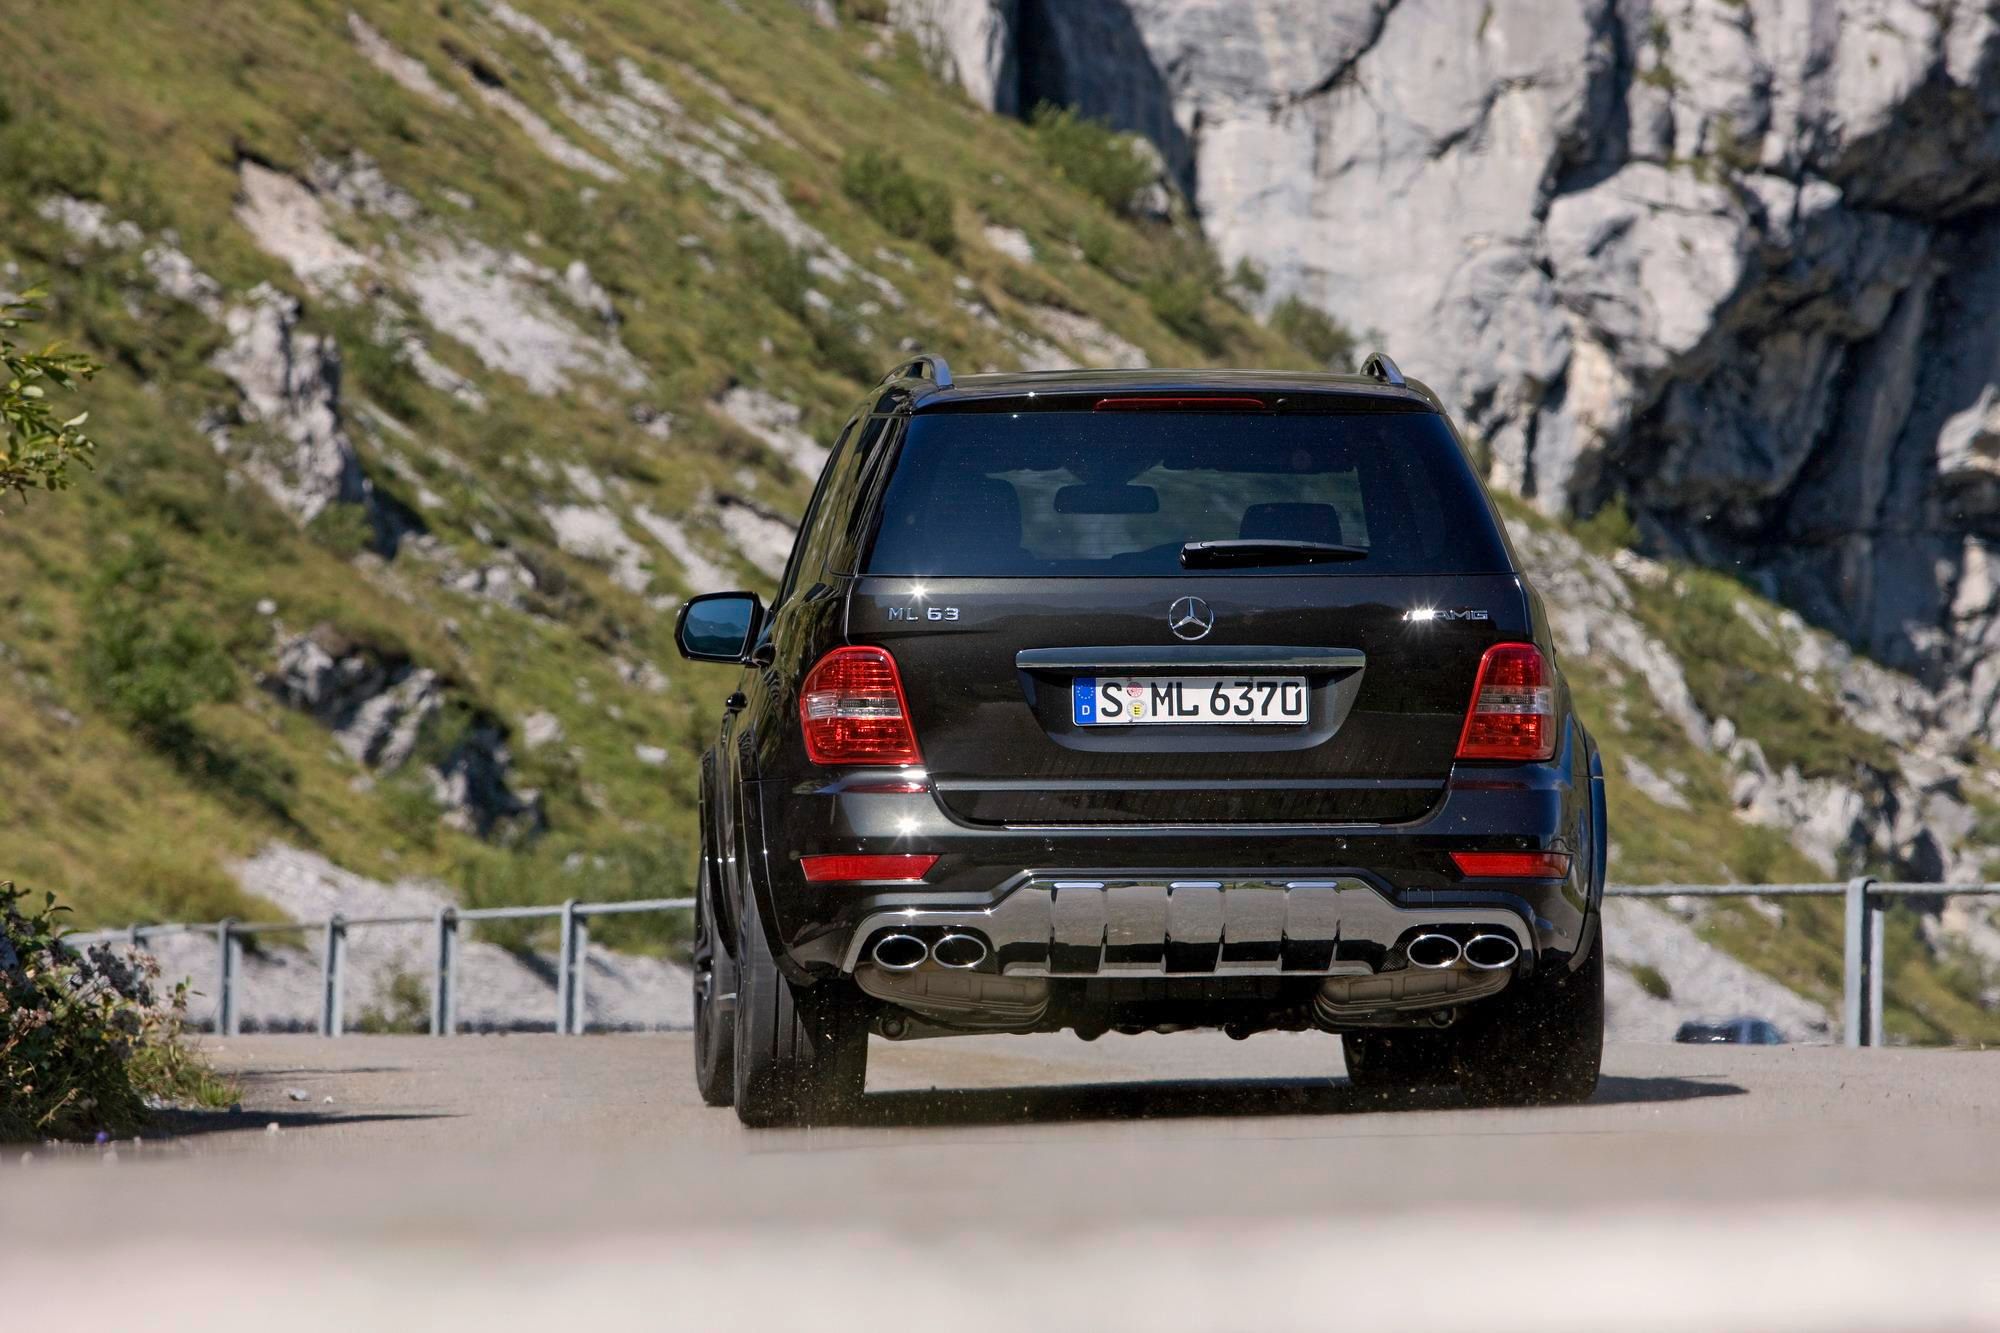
x=778, y=207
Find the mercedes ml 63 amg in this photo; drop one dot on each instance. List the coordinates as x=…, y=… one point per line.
x=1131, y=701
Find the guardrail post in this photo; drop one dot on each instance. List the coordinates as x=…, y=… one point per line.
x=444, y=1015
x=566, y=967
x=332, y=959
x=1861, y=953
x=225, y=978
x=1878, y=922
x=579, y=971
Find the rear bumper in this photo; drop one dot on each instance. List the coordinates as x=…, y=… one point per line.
x=1391, y=877
x=1235, y=923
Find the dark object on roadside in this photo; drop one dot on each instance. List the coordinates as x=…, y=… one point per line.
x=1734, y=1032
x=1146, y=701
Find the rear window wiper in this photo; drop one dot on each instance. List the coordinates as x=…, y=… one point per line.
x=1265, y=551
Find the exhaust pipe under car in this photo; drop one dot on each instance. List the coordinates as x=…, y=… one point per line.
x=1490, y=953
x=959, y=951
x=1434, y=951
x=900, y=953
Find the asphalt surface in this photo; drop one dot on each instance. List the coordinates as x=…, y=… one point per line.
x=1170, y=1182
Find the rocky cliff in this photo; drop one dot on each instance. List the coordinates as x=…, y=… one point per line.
x=1730, y=263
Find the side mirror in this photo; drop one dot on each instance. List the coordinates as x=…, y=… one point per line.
x=718, y=626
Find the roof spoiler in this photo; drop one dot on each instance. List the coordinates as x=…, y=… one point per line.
x=1378, y=366
x=925, y=367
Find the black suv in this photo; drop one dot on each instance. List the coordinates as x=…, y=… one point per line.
x=1132, y=701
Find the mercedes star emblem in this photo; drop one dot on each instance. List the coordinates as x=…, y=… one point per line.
x=1190, y=618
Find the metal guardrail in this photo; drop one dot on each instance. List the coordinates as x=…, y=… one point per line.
x=229, y=935
x=1862, y=969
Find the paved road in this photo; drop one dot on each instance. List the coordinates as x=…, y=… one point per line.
x=1171, y=1182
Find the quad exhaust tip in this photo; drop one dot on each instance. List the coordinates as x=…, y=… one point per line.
x=1434, y=951
x=900, y=953
x=959, y=951
x=1490, y=953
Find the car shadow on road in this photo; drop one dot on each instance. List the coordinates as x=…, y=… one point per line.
x=196, y=1124
x=1194, y=1098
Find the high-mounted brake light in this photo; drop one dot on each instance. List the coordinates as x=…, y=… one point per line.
x=1512, y=865
x=853, y=711
x=1194, y=403
x=841, y=868
x=1512, y=715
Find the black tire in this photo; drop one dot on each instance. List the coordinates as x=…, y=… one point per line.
x=1538, y=1043
x=1396, y=1061
x=714, y=1003
x=801, y=1051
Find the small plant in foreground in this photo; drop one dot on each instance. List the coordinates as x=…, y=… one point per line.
x=85, y=1047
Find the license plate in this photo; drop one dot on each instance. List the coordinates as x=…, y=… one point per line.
x=1114, y=701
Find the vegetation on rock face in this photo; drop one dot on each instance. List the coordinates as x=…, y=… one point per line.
x=905, y=205
x=85, y=1045
x=1110, y=167
x=1317, y=333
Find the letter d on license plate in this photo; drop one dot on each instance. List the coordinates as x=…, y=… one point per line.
x=1083, y=701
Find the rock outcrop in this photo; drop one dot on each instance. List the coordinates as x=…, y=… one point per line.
x=1728, y=262
x=381, y=706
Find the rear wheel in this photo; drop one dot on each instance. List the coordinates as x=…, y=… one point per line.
x=801, y=1051
x=714, y=1003
x=1536, y=1044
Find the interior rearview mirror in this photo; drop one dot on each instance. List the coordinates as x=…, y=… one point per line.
x=718, y=626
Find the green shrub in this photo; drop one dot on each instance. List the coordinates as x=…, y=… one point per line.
x=343, y=529
x=1247, y=280
x=83, y=1042
x=906, y=205
x=1104, y=248
x=1651, y=980
x=149, y=664
x=1181, y=303
x=1110, y=167
x=779, y=271
x=1610, y=528
x=403, y=1006
x=1314, y=332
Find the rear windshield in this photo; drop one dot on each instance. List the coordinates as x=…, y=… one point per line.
x=1059, y=494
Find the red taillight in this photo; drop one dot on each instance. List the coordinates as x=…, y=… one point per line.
x=841, y=868
x=1513, y=709
x=1199, y=403
x=852, y=707
x=1512, y=865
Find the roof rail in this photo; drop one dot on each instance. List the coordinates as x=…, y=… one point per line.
x=1378, y=366
x=925, y=367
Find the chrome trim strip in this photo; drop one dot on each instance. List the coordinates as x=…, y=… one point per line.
x=1126, y=657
